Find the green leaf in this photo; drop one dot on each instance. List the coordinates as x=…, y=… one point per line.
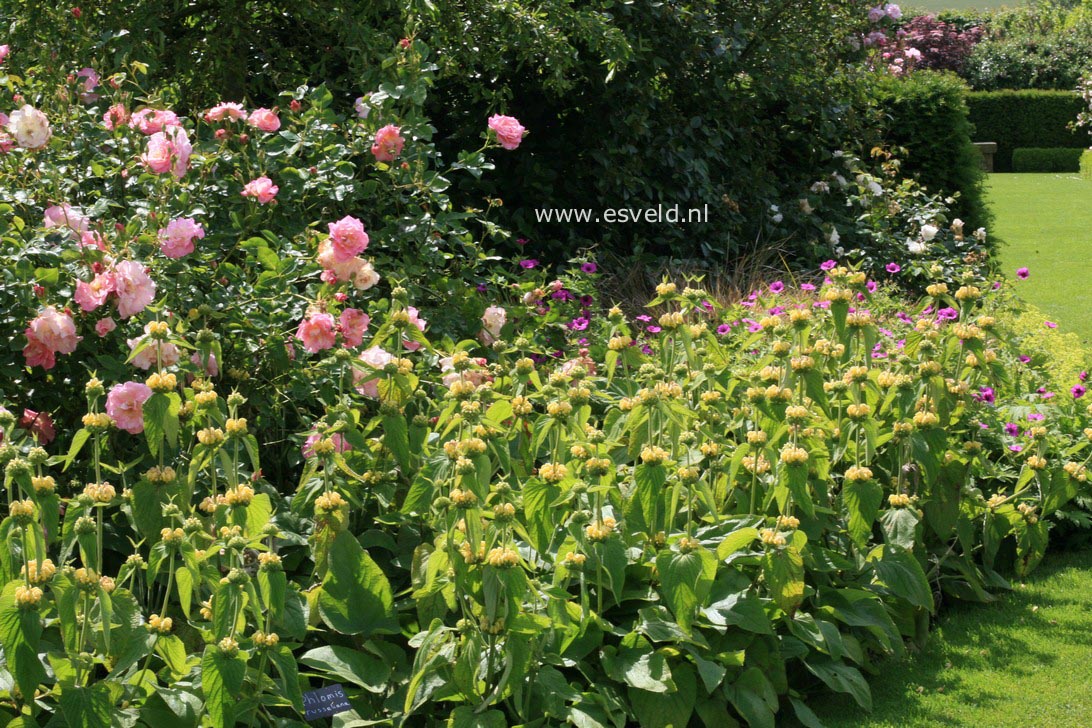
x=20, y=634
x=898, y=572
x=670, y=710
x=91, y=707
x=754, y=698
x=644, y=511
x=641, y=668
x=359, y=668
x=861, y=500
x=686, y=580
x=842, y=678
x=736, y=540
x=743, y=610
x=173, y=652
x=258, y=513
x=900, y=527
x=356, y=597
x=537, y=497
x=285, y=662
x=466, y=717
x=222, y=685
x=783, y=570
x=396, y=438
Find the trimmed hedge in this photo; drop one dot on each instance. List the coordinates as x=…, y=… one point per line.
x=1037, y=159
x=926, y=113
x=1028, y=118
x=1086, y=164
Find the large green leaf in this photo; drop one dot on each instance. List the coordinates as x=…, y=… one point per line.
x=221, y=684
x=644, y=511
x=783, y=569
x=754, y=698
x=356, y=597
x=861, y=500
x=20, y=634
x=670, y=710
x=359, y=668
x=898, y=572
x=87, y=707
x=842, y=678
x=639, y=667
x=686, y=580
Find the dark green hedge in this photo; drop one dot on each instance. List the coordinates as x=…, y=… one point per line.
x=1056, y=159
x=926, y=113
x=1024, y=119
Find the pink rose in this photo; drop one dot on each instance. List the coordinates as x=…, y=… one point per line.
x=354, y=323
x=125, y=405
x=420, y=323
x=176, y=240
x=56, y=330
x=37, y=353
x=29, y=127
x=211, y=367
x=93, y=239
x=4, y=51
x=66, y=216
x=493, y=321
x=90, y=83
x=91, y=295
x=262, y=189
x=375, y=358
x=134, y=287
x=340, y=444
x=508, y=130
x=226, y=110
x=105, y=326
x=152, y=121
x=168, y=151
x=264, y=120
x=347, y=238
x=355, y=270
x=388, y=143
x=317, y=332
x=116, y=116
x=39, y=425
x=450, y=376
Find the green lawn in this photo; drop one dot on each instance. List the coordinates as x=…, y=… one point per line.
x=1045, y=223
x=1025, y=660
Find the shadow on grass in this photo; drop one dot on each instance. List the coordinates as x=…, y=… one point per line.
x=982, y=660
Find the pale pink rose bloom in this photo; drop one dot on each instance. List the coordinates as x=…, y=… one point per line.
x=363, y=275
x=6, y=142
x=361, y=107
x=125, y=405
x=55, y=329
x=354, y=323
x=90, y=83
x=66, y=216
x=377, y=358
x=105, y=326
x=317, y=332
x=152, y=121
x=450, y=376
x=116, y=116
x=264, y=120
x=91, y=295
x=493, y=321
x=134, y=287
x=176, y=240
x=340, y=444
x=508, y=130
x=29, y=127
x=583, y=361
x=146, y=359
x=388, y=143
x=211, y=367
x=93, y=239
x=226, y=110
x=37, y=353
x=347, y=238
x=4, y=51
x=168, y=151
x=262, y=189
x=417, y=321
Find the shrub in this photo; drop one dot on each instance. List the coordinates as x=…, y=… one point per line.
x=926, y=113
x=942, y=46
x=1046, y=160
x=1024, y=119
x=1086, y=164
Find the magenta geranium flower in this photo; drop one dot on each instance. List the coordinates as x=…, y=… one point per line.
x=1078, y=391
x=893, y=268
x=1023, y=273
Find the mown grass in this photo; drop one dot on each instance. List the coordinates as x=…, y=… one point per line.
x=1045, y=224
x=1023, y=661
